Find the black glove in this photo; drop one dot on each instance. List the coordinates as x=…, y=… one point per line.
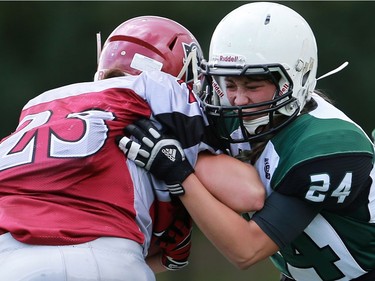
x=161, y=155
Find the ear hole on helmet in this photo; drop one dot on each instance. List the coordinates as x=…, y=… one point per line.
x=304, y=78
x=173, y=43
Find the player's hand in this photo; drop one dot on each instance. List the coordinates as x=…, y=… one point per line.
x=161, y=155
x=175, y=243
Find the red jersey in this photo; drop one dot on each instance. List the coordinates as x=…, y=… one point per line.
x=63, y=180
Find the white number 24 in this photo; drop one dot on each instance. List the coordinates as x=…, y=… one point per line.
x=320, y=184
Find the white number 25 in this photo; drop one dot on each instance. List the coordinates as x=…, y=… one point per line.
x=92, y=138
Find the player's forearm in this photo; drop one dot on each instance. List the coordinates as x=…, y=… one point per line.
x=241, y=242
x=223, y=175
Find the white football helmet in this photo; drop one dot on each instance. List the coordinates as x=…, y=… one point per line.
x=261, y=38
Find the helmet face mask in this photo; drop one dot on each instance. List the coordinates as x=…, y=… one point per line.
x=148, y=43
x=267, y=40
x=227, y=118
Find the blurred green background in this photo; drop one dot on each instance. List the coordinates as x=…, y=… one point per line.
x=49, y=44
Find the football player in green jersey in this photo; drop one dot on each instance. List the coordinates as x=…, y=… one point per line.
x=317, y=165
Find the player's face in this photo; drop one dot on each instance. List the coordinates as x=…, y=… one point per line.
x=242, y=90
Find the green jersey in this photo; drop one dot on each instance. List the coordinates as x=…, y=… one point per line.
x=320, y=210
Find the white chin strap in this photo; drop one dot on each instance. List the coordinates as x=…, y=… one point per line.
x=98, y=46
x=341, y=67
x=252, y=125
x=98, y=52
x=192, y=58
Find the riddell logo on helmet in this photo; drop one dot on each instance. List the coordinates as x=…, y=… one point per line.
x=228, y=58
x=217, y=89
x=284, y=88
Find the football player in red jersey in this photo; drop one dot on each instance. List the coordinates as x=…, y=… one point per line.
x=71, y=205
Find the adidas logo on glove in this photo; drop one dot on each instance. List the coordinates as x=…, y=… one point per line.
x=170, y=153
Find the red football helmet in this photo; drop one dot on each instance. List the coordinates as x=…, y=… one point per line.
x=150, y=43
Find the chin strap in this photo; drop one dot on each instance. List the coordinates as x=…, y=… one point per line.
x=338, y=69
x=191, y=59
x=252, y=125
x=98, y=52
x=98, y=46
